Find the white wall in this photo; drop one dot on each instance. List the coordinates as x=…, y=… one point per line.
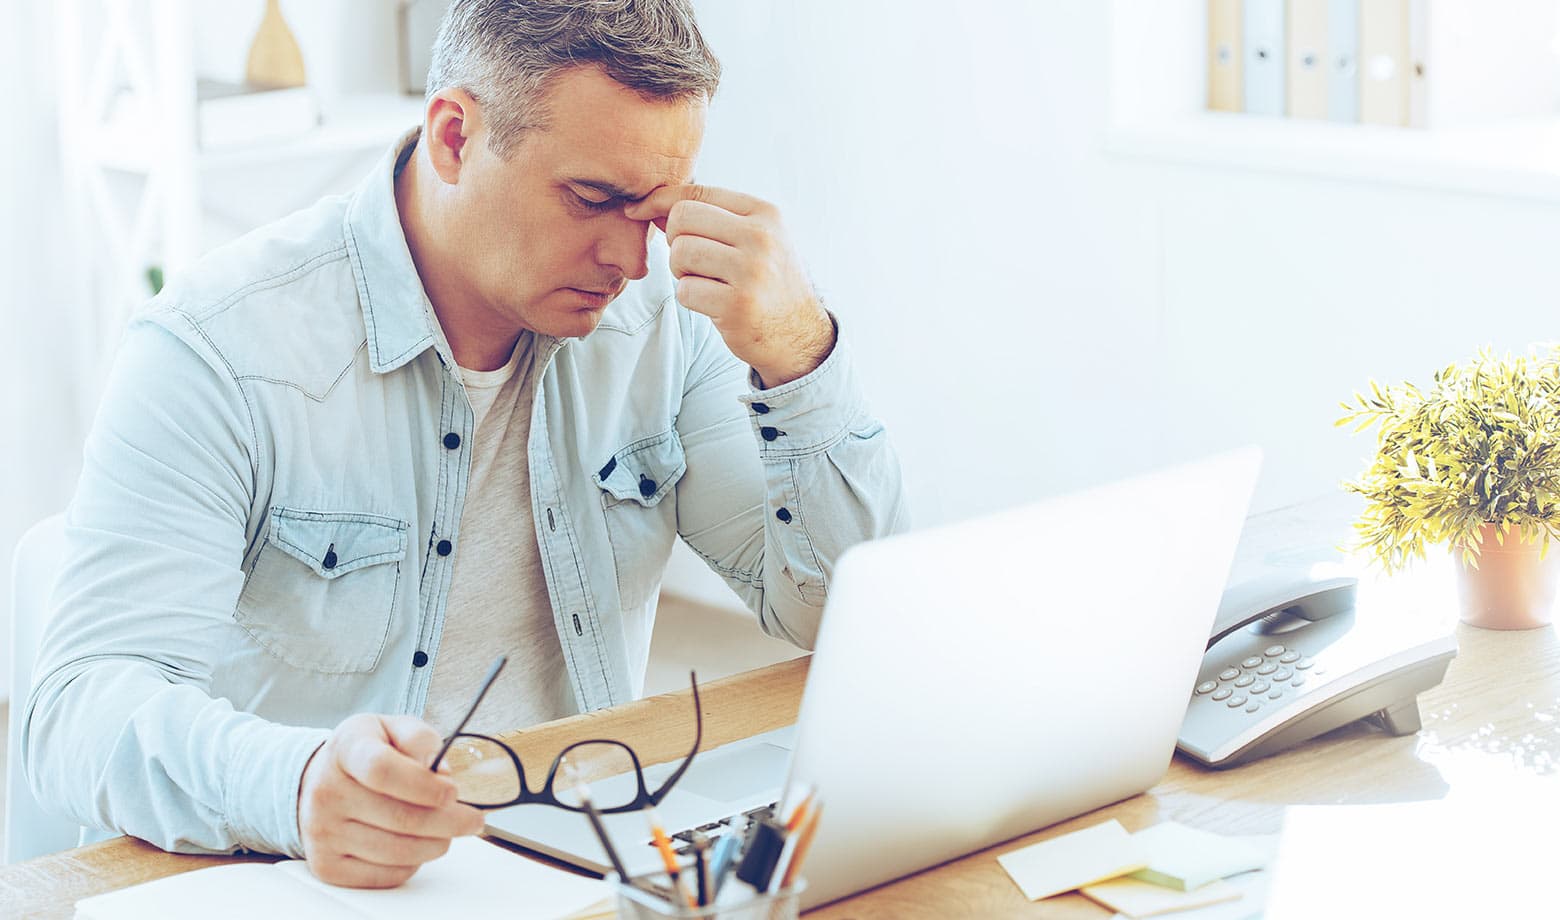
x=1032, y=315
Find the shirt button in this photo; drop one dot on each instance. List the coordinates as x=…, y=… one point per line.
x=761, y=408
x=445, y=547
x=419, y=659
x=646, y=486
x=329, y=561
x=768, y=433
x=784, y=515
x=452, y=440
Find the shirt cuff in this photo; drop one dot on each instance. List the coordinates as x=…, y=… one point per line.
x=811, y=413
x=263, y=788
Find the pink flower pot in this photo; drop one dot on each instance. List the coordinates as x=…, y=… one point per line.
x=1512, y=588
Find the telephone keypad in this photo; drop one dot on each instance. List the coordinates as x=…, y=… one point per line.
x=1257, y=679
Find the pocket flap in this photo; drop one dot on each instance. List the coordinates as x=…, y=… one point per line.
x=335, y=543
x=644, y=471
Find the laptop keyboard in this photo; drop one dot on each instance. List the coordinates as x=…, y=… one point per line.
x=682, y=841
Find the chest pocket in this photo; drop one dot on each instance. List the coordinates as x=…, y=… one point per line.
x=323, y=589
x=641, y=523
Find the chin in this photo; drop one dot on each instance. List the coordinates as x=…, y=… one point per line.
x=574, y=325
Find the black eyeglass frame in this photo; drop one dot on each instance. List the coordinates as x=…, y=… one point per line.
x=645, y=798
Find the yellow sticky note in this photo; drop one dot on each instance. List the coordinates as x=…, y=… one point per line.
x=1186, y=858
x=1093, y=854
x=1144, y=899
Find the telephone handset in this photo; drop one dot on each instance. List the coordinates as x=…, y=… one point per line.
x=1290, y=659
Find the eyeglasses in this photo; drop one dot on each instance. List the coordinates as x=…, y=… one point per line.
x=488, y=773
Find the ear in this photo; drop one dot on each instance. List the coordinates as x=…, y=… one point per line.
x=453, y=121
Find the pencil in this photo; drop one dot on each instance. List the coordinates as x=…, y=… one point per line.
x=664, y=844
x=793, y=869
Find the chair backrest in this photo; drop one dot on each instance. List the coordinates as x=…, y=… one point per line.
x=30, y=830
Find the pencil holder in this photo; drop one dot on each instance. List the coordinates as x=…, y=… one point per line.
x=647, y=899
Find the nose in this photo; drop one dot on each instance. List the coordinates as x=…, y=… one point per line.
x=623, y=247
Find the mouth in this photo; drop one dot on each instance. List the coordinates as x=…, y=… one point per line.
x=594, y=298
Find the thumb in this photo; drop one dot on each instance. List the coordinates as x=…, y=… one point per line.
x=412, y=737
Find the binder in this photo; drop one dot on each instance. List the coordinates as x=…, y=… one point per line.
x=1225, y=89
x=1418, y=46
x=1307, y=58
x=1343, y=56
x=1384, y=64
x=1262, y=34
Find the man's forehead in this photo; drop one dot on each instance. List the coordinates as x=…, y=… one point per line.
x=631, y=185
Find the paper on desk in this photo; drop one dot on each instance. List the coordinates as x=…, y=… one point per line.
x=1252, y=887
x=1093, y=854
x=1185, y=858
x=1137, y=898
x=475, y=878
x=1439, y=858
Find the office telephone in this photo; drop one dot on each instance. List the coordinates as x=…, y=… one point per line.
x=1289, y=659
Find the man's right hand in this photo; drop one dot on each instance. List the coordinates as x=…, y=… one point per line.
x=370, y=812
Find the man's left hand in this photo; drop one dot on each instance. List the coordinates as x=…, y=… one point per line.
x=734, y=265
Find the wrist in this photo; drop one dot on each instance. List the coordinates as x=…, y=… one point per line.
x=805, y=354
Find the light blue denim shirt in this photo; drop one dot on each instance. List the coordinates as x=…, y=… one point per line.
x=262, y=538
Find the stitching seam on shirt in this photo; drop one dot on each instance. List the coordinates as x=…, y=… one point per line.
x=261, y=284
x=333, y=384
x=806, y=538
x=249, y=409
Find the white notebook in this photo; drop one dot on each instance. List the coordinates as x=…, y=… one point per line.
x=475, y=879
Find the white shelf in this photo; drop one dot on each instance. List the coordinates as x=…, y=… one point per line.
x=1514, y=160
x=356, y=123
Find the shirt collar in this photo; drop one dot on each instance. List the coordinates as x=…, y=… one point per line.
x=396, y=311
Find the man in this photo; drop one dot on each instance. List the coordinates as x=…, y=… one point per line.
x=465, y=410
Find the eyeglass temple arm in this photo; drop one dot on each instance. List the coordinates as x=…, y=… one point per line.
x=698, y=739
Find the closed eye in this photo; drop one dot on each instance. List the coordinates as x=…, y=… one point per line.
x=591, y=204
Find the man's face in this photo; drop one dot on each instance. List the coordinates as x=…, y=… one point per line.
x=544, y=242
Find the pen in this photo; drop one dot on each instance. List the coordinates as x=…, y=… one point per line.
x=583, y=791
x=722, y=861
x=800, y=814
x=793, y=869
x=664, y=844
x=487, y=682
x=700, y=844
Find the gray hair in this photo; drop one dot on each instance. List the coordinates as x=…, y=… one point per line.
x=506, y=53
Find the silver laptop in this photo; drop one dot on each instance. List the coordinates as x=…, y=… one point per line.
x=973, y=683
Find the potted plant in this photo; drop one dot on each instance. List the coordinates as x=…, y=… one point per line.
x=1474, y=463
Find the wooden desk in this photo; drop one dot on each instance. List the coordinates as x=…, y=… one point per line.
x=1497, y=714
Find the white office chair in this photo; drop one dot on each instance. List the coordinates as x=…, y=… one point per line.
x=30, y=830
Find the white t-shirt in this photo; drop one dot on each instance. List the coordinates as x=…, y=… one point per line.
x=498, y=601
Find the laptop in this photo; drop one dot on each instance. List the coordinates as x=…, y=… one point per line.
x=972, y=683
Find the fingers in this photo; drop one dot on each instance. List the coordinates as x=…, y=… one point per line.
x=350, y=872
x=413, y=737
x=705, y=295
x=657, y=205
x=389, y=814
x=370, y=812
x=698, y=218
x=387, y=848
x=696, y=255
x=377, y=762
